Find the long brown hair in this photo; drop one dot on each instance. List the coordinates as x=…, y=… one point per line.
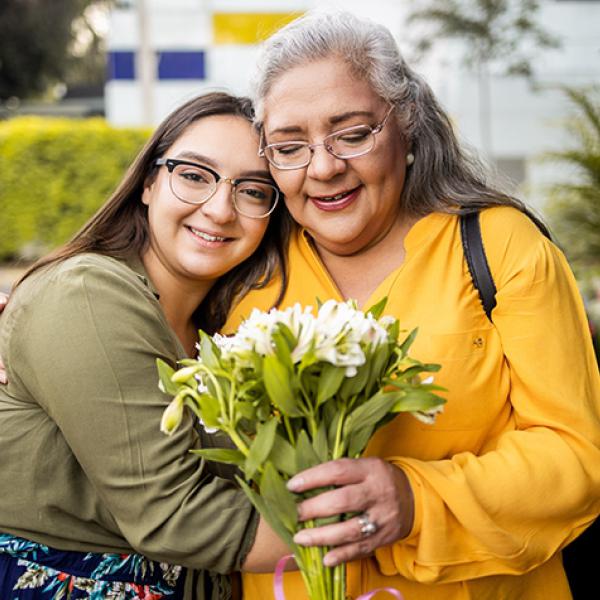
x=120, y=227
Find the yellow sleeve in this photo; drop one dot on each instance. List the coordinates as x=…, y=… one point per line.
x=536, y=485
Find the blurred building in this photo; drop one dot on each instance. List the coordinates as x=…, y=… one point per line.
x=161, y=53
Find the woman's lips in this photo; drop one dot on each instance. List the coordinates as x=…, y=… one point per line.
x=206, y=239
x=337, y=202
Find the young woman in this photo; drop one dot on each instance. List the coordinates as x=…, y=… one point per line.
x=479, y=504
x=96, y=502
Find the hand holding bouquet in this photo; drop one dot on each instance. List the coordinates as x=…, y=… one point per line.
x=293, y=390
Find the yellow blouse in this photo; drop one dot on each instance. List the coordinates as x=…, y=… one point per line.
x=510, y=471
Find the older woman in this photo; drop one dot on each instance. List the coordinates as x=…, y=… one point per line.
x=479, y=504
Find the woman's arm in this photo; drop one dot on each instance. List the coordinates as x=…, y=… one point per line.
x=86, y=350
x=531, y=488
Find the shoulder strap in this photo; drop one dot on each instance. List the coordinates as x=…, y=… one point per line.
x=470, y=232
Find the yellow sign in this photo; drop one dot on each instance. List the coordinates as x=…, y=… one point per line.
x=248, y=28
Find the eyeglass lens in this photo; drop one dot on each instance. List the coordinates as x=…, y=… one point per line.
x=195, y=185
x=348, y=143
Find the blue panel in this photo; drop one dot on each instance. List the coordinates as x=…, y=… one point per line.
x=121, y=65
x=181, y=65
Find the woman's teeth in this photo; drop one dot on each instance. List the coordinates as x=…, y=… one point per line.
x=207, y=236
x=334, y=198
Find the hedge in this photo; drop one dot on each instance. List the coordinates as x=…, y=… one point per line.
x=54, y=174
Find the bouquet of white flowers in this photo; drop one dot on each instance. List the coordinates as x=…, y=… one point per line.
x=293, y=390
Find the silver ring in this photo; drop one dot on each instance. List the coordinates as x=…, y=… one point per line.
x=367, y=527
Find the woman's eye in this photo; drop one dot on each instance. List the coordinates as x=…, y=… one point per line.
x=258, y=194
x=354, y=137
x=288, y=149
x=254, y=193
x=192, y=176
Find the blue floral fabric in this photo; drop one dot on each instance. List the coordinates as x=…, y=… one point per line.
x=32, y=571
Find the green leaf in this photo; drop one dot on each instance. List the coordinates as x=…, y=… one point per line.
x=417, y=399
x=330, y=381
x=288, y=335
x=283, y=456
x=377, y=368
x=208, y=352
x=279, y=388
x=261, y=447
x=320, y=444
x=165, y=372
x=357, y=442
x=363, y=421
x=331, y=415
x=408, y=340
x=371, y=411
x=278, y=498
x=228, y=456
x=354, y=385
x=269, y=516
x=282, y=345
x=377, y=309
x=306, y=456
x=210, y=410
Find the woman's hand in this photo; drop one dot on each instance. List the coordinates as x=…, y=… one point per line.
x=3, y=378
x=377, y=490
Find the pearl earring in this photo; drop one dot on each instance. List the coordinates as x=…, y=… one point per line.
x=410, y=158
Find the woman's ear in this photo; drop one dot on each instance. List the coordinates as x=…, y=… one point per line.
x=149, y=183
x=146, y=194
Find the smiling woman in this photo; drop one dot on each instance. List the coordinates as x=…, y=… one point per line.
x=373, y=174
x=96, y=502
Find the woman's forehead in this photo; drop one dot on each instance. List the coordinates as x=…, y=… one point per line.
x=324, y=92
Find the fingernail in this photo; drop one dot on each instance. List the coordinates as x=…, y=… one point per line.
x=3, y=379
x=329, y=561
x=295, y=483
x=302, y=538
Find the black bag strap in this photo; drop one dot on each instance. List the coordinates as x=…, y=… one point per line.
x=470, y=232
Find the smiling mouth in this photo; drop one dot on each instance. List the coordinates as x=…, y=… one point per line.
x=207, y=236
x=336, y=202
x=335, y=198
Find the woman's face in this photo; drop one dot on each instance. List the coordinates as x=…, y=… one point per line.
x=346, y=205
x=202, y=242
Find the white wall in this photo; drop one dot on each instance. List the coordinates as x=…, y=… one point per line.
x=525, y=122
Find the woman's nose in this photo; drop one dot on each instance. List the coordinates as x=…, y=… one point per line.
x=219, y=207
x=324, y=165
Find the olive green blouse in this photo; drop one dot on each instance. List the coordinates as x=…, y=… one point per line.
x=84, y=465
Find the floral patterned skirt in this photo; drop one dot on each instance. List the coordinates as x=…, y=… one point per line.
x=31, y=571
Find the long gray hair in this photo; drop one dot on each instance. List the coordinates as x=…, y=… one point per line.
x=443, y=178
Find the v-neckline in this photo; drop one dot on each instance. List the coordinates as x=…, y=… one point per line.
x=420, y=230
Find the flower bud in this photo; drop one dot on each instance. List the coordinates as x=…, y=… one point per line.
x=184, y=374
x=172, y=416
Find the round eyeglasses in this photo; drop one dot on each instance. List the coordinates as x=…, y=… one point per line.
x=196, y=184
x=345, y=143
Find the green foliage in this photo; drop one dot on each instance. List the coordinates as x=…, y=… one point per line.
x=505, y=30
x=36, y=39
x=574, y=206
x=54, y=174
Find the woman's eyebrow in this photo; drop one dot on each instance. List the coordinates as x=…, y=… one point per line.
x=260, y=174
x=195, y=157
x=349, y=115
x=334, y=120
x=289, y=129
x=209, y=162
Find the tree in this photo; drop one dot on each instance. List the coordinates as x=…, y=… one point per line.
x=495, y=31
x=574, y=206
x=36, y=38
